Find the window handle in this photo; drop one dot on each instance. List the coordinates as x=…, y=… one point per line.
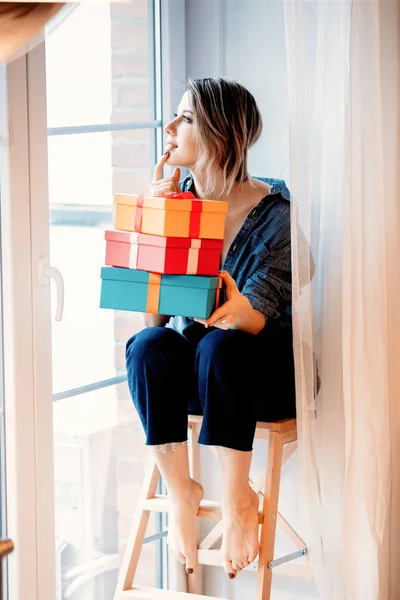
x=47, y=272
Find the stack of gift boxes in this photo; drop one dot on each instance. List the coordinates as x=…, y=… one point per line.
x=163, y=255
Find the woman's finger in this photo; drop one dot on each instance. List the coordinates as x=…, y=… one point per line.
x=198, y=320
x=218, y=315
x=223, y=323
x=165, y=183
x=228, y=280
x=158, y=169
x=166, y=188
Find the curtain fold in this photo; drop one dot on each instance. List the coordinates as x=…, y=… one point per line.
x=22, y=26
x=343, y=62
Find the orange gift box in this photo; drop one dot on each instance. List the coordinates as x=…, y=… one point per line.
x=171, y=215
x=176, y=256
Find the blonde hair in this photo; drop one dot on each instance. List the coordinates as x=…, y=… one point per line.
x=227, y=123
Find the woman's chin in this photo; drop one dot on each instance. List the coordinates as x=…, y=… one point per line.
x=174, y=162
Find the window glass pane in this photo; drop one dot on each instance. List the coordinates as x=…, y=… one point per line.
x=100, y=458
x=99, y=65
x=84, y=172
x=105, y=76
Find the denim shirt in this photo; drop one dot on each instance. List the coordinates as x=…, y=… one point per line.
x=259, y=258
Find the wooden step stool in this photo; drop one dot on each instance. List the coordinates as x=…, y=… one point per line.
x=282, y=442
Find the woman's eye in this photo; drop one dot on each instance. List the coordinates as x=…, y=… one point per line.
x=184, y=118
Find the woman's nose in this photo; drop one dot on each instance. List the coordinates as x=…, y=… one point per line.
x=170, y=127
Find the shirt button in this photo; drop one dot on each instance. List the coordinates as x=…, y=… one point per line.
x=253, y=214
x=234, y=248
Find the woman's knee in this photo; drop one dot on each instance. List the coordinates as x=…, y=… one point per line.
x=151, y=345
x=148, y=343
x=224, y=347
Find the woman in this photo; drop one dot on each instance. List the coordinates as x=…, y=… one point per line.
x=235, y=368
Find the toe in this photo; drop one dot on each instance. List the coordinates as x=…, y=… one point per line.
x=228, y=568
x=252, y=557
x=191, y=563
x=246, y=563
x=236, y=565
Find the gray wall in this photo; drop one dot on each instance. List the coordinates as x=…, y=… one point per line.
x=244, y=40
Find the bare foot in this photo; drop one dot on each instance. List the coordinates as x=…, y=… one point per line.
x=181, y=527
x=240, y=535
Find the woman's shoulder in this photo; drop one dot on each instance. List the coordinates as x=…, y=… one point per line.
x=278, y=186
x=273, y=214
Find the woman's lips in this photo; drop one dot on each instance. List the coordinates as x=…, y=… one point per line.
x=170, y=147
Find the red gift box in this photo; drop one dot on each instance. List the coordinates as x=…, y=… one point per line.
x=159, y=254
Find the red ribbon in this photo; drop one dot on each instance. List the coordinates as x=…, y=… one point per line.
x=195, y=213
x=195, y=216
x=188, y=195
x=137, y=226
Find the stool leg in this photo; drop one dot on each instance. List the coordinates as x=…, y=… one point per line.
x=138, y=531
x=195, y=581
x=270, y=511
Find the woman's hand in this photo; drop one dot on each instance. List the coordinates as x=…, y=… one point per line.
x=160, y=186
x=236, y=312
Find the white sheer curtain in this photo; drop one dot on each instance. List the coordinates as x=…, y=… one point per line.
x=343, y=61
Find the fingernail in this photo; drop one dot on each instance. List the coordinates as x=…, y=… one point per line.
x=231, y=576
x=189, y=571
x=166, y=152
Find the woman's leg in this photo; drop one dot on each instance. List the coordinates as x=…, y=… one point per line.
x=185, y=495
x=159, y=365
x=239, y=510
x=242, y=379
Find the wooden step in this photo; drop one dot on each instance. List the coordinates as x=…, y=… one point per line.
x=208, y=508
x=145, y=593
x=297, y=570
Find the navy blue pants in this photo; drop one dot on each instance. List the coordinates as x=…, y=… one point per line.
x=232, y=378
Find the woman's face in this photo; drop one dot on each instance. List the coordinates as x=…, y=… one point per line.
x=180, y=139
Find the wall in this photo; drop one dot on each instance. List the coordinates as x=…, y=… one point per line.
x=220, y=40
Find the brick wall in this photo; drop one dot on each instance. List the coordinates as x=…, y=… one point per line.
x=132, y=171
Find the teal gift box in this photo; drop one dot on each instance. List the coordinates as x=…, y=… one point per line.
x=178, y=295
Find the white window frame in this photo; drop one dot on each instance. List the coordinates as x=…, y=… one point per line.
x=27, y=335
x=28, y=403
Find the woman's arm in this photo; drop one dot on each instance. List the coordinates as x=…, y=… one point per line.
x=150, y=320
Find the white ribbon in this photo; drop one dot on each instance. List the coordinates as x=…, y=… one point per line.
x=193, y=257
x=133, y=256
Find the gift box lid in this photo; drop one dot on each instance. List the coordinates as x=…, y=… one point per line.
x=193, y=281
x=172, y=203
x=145, y=239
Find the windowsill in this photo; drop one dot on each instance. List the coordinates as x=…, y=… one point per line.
x=79, y=215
